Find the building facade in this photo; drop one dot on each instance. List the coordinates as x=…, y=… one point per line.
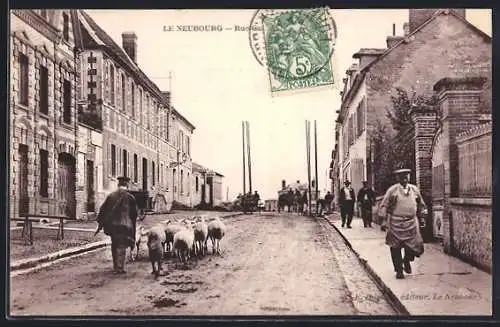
x=206, y=186
x=436, y=44
x=43, y=116
x=143, y=136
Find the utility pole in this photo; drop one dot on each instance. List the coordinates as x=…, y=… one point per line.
x=308, y=150
x=244, y=161
x=316, y=164
x=249, y=158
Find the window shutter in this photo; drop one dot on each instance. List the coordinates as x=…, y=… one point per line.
x=129, y=172
x=109, y=158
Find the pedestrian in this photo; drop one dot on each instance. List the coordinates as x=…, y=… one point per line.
x=304, y=203
x=328, y=202
x=118, y=216
x=256, y=199
x=366, y=200
x=347, y=198
x=398, y=210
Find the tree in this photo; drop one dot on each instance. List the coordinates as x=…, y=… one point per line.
x=399, y=114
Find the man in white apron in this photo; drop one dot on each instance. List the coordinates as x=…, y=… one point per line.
x=398, y=211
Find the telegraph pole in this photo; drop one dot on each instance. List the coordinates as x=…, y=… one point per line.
x=316, y=164
x=308, y=149
x=244, y=161
x=249, y=158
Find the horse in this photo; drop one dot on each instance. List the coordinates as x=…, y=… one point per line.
x=285, y=200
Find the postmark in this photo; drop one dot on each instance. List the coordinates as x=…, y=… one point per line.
x=295, y=46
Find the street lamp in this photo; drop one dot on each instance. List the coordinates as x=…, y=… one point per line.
x=179, y=162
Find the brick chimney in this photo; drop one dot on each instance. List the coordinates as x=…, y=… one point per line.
x=129, y=44
x=406, y=29
x=420, y=16
x=393, y=39
x=166, y=97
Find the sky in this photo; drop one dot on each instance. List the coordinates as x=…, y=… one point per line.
x=217, y=83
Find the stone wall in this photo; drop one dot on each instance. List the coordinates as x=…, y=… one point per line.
x=471, y=231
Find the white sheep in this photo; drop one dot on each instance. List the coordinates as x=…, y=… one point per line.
x=216, y=231
x=184, y=242
x=156, y=241
x=200, y=235
x=140, y=236
x=170, y=230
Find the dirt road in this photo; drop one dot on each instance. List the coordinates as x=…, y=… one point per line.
x=270, y=265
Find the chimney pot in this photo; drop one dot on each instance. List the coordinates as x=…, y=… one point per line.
x=393, y=29
x=129, y=44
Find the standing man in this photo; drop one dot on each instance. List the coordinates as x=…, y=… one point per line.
x=398, y=210
x=366, y=200
x=347, y=198
x=118, y=216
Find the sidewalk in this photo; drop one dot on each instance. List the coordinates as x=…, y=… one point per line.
x=439, y=284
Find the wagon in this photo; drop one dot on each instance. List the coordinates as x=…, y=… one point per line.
x=143, y=203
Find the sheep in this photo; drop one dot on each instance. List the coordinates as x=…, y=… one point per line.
x=216, y=231
x=156, y=240
x=170, y=230
x=200, y=234
x=184, y=242
x=140, y=234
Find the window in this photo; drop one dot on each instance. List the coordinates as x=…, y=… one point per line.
x=44, y=91
x=135, y=168
x=161, y=175
x=140, y=106
x=361, y=116
x=65, y=26
x=153, y=172
x=124, y=163
x=133, y=99
x=147, y=112
x=188, y=145
x=23, y=79
x=197, y=185
x=112, y=83
x=123, y=93
x=67, y=102
x=44, y=173
x=182, y=181
x=113, y=160
x=188, y=184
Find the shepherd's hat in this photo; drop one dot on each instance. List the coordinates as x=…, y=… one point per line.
x=402, y=171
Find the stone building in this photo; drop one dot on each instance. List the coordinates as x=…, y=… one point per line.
x=43, y=117
x=437, y=43
x=206, y=186
x=142, y=135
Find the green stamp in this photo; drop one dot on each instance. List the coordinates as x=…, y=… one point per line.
x=298, y=47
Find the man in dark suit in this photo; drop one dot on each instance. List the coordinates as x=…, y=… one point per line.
x=118, y=217
x=366, y=200
x=347, y=198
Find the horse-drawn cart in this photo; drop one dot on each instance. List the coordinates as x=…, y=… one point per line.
x=143, y=203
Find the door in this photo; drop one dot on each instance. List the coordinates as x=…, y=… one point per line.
x=144, y=174
x=90, y=186
x=210, y=182
x=23, y=179
x=65, y=194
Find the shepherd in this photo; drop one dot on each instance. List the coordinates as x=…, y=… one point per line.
x=399, y=212
x=118, y=217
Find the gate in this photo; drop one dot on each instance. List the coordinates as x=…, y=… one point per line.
x=65, y=193
x=438, y=173
x=23, y=179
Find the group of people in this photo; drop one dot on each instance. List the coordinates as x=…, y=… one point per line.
x=347, y=199
x=249, y=202
x=402, y=211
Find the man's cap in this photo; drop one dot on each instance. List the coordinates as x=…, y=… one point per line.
x=347, y=182
x=402, y=171
x=365, y=182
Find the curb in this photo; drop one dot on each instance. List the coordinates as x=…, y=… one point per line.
x=33, y=262
x=393, y=300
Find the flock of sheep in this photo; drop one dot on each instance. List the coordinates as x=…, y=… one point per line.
x=184, y=238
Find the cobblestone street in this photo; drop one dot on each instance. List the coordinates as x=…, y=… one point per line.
x=270, y=265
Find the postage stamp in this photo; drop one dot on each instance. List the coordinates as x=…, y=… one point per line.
x=295, y=46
